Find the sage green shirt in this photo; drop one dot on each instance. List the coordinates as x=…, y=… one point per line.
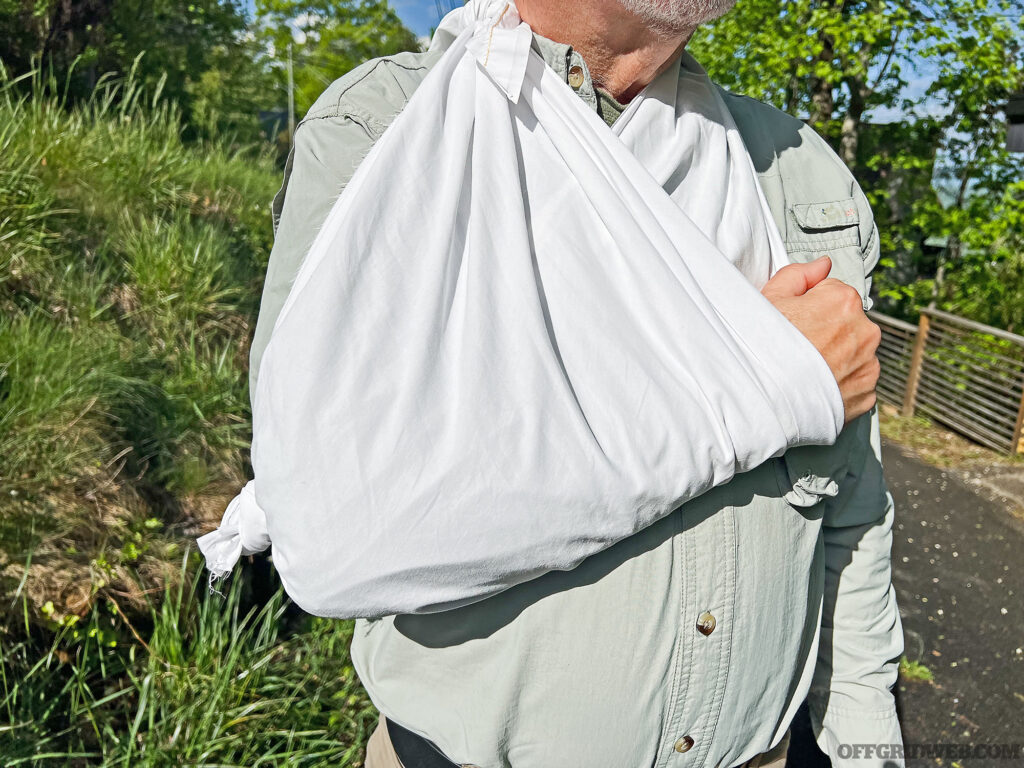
x=693, y=642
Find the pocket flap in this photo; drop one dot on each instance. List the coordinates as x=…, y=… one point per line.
x=833, y=215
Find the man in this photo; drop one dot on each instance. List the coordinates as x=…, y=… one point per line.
x=693, y=642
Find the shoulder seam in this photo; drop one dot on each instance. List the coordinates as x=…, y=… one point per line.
x=338, y=109
x=371, y=124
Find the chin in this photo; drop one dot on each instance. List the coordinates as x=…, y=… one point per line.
x=674, y=16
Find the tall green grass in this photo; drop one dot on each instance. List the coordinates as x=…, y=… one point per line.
x=130, y=271
x=214, y=684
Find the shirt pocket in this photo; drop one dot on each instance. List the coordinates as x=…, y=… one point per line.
x=826, y=224
x=829, y=228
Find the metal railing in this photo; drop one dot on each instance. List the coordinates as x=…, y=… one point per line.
x=894, y=353
x=960, y=373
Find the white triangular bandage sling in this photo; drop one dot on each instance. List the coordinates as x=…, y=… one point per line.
x=510, y=347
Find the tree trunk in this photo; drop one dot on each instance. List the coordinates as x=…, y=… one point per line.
x=822, y=100
x=852, y=122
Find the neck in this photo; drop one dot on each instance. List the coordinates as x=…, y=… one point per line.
x=622, y=51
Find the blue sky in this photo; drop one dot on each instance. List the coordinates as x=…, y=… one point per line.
x=418, y=15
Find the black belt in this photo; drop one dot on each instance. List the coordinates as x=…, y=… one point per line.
x=414, y=751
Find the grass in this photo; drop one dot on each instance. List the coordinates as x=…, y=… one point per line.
x=130, y=271
x=214, y=684
x=939, y=446
x=130, y=267
x=914, y=671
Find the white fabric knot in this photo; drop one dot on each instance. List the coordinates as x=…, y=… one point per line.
x=810, y=489
x=501, y=41
x=242, y=531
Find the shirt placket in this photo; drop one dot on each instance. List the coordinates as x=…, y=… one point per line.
x=578, y=77
x=707, y=560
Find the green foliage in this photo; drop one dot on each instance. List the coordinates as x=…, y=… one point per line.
x=226, y=99
x=132, y=248
x=131, y=267
x=328, y=38
x=176, y=41
x=180, y=40
x=939, y=75
x=216, y=683
x=23, y=28
x=915, y=671
x=220, y=67
x=812, y=57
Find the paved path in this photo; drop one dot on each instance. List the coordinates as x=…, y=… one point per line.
x=959, y=575
x=958, y=559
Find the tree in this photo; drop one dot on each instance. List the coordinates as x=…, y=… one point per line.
x=24, y=25
x=978, y=62
x=328, y=38
x=233, y=92
x=938, y=75
x=91, y=38
x=200, y=52
x=832, y=60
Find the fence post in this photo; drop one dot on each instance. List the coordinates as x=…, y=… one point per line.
x=916, y=359
x=1017, y=446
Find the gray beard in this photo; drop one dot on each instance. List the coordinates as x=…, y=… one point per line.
x=675, y=16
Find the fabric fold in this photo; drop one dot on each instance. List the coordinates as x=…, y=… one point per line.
x=518, y=339
x=242, y=531
x=502, y=47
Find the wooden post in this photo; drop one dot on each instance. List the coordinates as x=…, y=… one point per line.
x=916, y=360
x=1017, y=445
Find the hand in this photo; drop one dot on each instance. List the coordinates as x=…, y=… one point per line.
x=830, y=314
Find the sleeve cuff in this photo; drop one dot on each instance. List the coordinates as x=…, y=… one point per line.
x=851, y=738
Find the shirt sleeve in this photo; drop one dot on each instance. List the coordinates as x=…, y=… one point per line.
x=851, y=700
x=322, y=160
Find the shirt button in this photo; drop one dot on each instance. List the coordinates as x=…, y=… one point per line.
x=706, y=623
x=576, y=76
x=684, y=744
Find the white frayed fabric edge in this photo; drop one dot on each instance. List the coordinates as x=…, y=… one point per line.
x=242, y=531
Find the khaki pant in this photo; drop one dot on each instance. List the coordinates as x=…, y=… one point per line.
x=380, y=753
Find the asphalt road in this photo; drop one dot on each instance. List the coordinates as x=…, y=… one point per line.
x=958, y=568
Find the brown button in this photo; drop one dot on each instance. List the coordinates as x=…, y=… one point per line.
x=576, y=76
x=706, y=623
x=685, y=744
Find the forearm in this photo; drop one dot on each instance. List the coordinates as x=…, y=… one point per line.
x=861, y=636
x=747, y=406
